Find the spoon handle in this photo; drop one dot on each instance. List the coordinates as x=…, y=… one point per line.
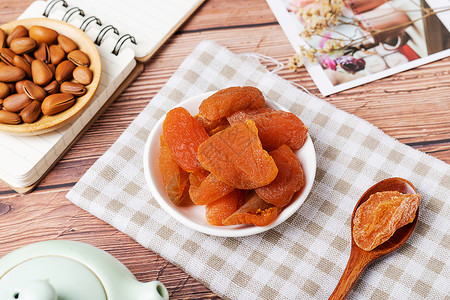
x=355, y=266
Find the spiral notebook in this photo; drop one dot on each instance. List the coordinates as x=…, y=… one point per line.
x=127, y=33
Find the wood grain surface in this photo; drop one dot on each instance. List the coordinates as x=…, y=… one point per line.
x=412, y=106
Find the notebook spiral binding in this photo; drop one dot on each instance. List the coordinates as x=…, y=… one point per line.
x=88, y=20
x=70, y=12
x=50, y=6
x=101, y=34
x=122, y=40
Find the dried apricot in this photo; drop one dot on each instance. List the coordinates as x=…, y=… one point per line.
x=275, y=127
x=255, y=211
x=377, y=219
x=289, y=180
x=242, y=115
x=175, y=179
x=209, y=189
x=212, y=125
x=230, y=100
x=222, y=208
x=183, y=134
x=236, y=157
x=219, y=128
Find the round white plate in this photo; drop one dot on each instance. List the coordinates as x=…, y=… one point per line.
x=194, y=216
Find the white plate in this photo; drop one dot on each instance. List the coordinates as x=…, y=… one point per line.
x=194, y=216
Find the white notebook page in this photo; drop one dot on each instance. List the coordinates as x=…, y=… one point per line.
x=23, y=160
x=148, y=21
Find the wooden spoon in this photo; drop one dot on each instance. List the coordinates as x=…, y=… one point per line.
x=359, y=258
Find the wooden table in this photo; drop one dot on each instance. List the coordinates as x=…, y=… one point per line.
x=413, y=107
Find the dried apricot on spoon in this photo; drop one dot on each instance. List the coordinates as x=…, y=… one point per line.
x=377, y=219
x=359, y=259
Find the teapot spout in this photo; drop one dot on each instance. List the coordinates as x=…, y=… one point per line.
x=153, y=290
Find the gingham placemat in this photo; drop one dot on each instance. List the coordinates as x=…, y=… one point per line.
x=304, y=257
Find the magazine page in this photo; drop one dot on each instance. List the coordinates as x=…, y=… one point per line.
x=346, y=43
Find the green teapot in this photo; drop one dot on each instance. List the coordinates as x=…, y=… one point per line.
x=68, y=270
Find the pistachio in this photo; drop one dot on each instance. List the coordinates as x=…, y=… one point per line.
x=11, y=74
x=4, y=90
x=56, y=103
x=74, y=88
x=41, y=73
x=42, y=53
x=7, y=117
x=7, y=56
x=34, y=91
x=83, y=75
x=31, y=112
x=20, y=62
x=22, y=45
x=28, y=58
x=57, y=54
x=43, y=34
x=12, y=88
x=66, y=43
x=52, y=68
x=64, y=71
x=19, y=86
x=79, y=58
x=52, y=88
x=16, y=102
x=17, y=32
x=2, y=38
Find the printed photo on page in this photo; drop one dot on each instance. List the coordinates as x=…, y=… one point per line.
x=346, y=43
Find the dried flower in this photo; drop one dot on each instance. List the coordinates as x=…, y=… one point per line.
x=351, y=64
x=309, y=53
x=332, y=45
x=295, y=5
x=295, y=62
x=328, y=62
x=324, y=39
x=317, y=17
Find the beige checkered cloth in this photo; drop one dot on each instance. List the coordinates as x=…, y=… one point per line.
x=304, y=257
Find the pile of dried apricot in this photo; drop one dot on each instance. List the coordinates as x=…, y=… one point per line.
x=236, y=157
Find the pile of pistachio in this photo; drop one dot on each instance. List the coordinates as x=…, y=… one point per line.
x=41, y=72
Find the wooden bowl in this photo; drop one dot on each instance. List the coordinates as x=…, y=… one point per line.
x=49, y=123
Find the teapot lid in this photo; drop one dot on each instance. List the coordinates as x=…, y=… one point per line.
x=70, y=270
x=50, y=277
